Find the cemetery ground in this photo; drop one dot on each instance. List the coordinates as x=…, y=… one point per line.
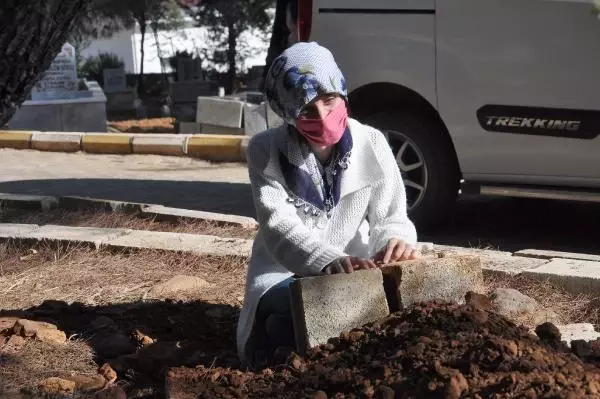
x=149, y=324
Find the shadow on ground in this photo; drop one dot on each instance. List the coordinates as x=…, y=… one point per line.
x=233, y=198
x=513, y=224
x=142, y=340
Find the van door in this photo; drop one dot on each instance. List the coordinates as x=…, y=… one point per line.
x=519, y=89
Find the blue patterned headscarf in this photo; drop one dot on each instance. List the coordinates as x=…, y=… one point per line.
x=300, y=74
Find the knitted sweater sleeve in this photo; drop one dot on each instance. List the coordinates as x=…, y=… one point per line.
x=387, y=208
x=288, y=239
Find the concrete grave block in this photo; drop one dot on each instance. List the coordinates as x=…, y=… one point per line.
x=64, y=142
x=577, y=276
x=325, y=306
x=79, y=235
x=255, y=119
x=547, y=255
x=273, y=120
x=16, y=230
x=448, y=278
x=216, y=129
x=160, y=144
x=165, y=213
x=219, y=112
x=23, y=201
x=188, y=127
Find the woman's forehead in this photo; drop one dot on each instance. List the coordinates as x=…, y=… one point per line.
x=321, y=97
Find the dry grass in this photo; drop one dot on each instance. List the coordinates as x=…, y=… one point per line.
x=152, y=125
x=28, y=276
x=22, y=371
x=571, y=308
x=122, y=220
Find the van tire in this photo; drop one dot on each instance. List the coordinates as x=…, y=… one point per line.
x=442, y=176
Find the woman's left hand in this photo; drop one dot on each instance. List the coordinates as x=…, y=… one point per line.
x=395, y=251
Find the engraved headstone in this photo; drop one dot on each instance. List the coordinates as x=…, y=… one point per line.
x=114, y=79
x=60, y=80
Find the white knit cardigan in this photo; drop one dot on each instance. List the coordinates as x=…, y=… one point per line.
x=293, y=240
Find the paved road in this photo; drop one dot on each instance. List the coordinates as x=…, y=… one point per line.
x=503, y=223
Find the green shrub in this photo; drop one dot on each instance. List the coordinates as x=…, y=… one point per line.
x=92, y=68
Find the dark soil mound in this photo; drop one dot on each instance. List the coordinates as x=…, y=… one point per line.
x=433, y=350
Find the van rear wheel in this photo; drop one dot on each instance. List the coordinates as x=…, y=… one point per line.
x=427, y=164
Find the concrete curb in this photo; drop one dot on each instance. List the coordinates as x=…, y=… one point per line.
x=212, y=147
x=16, y=139
x=60, y=142
x=106, y=144
x=159, y=212
x=125, y=239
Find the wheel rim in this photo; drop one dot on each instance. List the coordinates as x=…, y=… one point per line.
x=411, y=162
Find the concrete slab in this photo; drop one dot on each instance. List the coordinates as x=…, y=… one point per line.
x=573, y=332
x=448, y=278
x=160, y=144
x=75, y=203
x=255, y=119
x=492, y=261
x=325, y=306
x=545, y=254
x=219, y=112
x=577, y=276
x=22, y=201
x=78, y=235
x=52, y=141
x=15, y=230
x=165, y=213
x=181, y=242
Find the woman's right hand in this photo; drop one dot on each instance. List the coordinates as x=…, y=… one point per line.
x=348, y=264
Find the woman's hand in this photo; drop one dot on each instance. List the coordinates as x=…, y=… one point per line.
x=395, y=251
x=348, y=264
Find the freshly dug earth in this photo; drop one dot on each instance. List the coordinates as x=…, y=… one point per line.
x=123, y=221
x=432, y=350
x=152, y=125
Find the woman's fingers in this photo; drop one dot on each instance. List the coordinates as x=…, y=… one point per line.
x=389, y=251
x=347, y=265
x=400, y=252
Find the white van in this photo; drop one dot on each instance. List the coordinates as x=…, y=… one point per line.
x=501, y=95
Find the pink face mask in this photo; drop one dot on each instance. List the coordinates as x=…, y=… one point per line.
x=327, y=131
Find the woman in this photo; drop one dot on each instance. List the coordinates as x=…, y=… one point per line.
x=328, y=195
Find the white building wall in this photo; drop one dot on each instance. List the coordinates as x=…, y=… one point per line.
x=126, y=45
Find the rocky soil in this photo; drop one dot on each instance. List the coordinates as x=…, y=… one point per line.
x=433, y=350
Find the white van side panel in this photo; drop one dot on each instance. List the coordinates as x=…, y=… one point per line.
x=535, y=53
x=378, y=4
x=391, y=41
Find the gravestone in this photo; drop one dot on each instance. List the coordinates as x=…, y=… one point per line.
x=189, y=69
x=114, y=80
x=60, y=80
x=60, y=102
